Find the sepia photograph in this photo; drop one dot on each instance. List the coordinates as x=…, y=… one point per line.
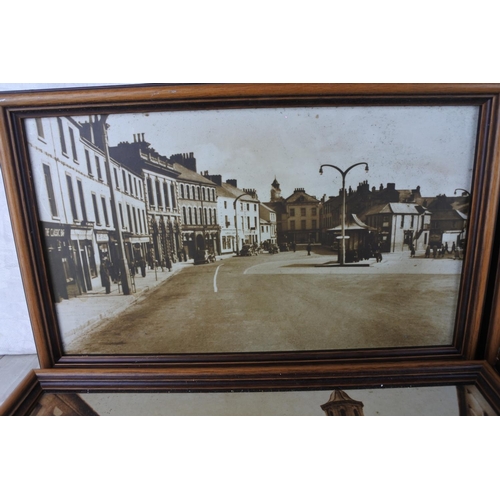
x=254, y=229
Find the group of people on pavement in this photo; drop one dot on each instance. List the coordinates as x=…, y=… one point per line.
x=440, y=251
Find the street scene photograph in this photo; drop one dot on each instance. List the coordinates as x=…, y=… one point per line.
x=254, y=230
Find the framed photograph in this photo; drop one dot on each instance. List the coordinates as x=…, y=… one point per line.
x=456, y=388
x=254, y=225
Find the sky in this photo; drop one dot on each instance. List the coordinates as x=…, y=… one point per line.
x=430, y=147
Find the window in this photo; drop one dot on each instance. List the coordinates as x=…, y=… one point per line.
x=302, y=224
x=314, y=224
x=207, y=220
x=412, y=220
x=402, y=221
x=39, y=128
x=313, y=211
x=129, y=225
x=50, y=190
x=135, y=187
x=120, y=208
x=226, y=221
x=303, y=212
x=87, y=161
x=292, y=225
x=96, y=210
x=130, y=184
x=73, y=145
x=292, y=212
x=225, y=204
x=135, y=219
x=193, y=193
x=105, y=210
x=98, y=168
x=140, y=190
x=140, y=221
x=184, y=216
x=248, y=206
x=215, y=216
x=190, y=217
x=172, y=192
x=195, y=216
x=124, y=177
x=198, y=192
x=255, y=208
x=82, y=199
x=158, y=194
x=182, y=190
x=151, y=195
x=248, y=222
x=165, y=195
x=71, y=194
x=61, y=136
x=116, y=179
x=201, y=217
x=255, y=222
x=203, y=193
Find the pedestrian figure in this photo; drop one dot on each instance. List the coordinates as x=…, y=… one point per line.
x=142, y=263
x=168, y=263
x=428, y=251
x=446, y=249
x=412, y=250
x=308, y=249
x=104, y=272
x=453, y=248
x=293, y=246
x=434, y=252
x=378, y=255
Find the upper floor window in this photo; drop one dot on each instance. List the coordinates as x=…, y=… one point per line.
x=50, y=190
x=98, y=168
x=314, y=211
x=39, y=128
x=292, y=212
x=172, y=192
x=87, y=161
x=73, y=144
x=303, y=212
x=61, y=136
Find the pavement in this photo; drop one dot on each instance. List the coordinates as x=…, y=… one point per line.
x=78, y=315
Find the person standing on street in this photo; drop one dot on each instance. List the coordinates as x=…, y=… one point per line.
x=309, y=249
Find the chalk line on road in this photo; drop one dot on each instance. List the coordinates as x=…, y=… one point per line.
x=215, y=278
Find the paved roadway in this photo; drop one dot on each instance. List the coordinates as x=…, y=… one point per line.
x=283, y=302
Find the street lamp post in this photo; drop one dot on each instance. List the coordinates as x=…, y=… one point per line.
x=343, y=173
x=122, y=259
x=236, y=223
x=463, y=190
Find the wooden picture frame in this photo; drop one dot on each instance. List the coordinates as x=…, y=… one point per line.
x=55, y=391
x=472, y=311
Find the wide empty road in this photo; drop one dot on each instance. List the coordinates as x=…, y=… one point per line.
x=283, y=302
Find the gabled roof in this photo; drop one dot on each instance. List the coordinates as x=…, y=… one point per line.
x=300, y=196
x=235, y=192
x=353, y=223
x=190, y=176
x=395, y=208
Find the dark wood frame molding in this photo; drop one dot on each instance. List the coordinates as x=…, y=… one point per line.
x=244, y=378
x=473, y=315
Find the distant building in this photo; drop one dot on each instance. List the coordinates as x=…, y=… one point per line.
x=267, y=225
x=198, y=205
x=158, y=187
x=298, y=218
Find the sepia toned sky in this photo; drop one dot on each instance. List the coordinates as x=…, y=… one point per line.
x=432, y=147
